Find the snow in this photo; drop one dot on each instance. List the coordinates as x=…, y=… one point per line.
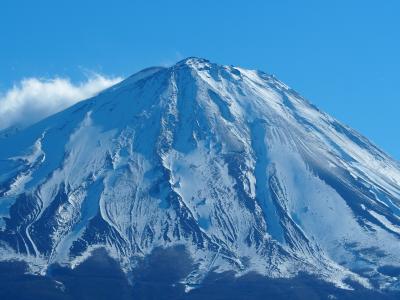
x=385, y=222
x=229, y=162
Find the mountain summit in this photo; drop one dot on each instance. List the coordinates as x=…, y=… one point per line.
x=229, y=163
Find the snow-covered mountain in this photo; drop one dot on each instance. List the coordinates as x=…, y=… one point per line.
x=228, y=162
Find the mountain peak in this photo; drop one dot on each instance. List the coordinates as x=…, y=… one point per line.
x=192, y=60
x=228, y=162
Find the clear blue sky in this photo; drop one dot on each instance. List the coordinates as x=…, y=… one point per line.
x=343, y=55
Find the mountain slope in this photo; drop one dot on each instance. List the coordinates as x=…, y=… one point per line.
x=231, y=163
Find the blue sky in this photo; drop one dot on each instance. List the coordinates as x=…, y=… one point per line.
x=341, y=55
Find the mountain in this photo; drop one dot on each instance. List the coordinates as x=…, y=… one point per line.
x=229, y=164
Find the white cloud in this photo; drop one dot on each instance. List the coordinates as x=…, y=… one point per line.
x=34, y=99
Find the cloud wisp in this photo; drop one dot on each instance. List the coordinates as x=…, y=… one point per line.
x=33, y=99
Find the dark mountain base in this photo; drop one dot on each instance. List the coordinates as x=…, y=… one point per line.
x=157, y=277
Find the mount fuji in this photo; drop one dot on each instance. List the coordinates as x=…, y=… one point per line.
x=230, y=165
